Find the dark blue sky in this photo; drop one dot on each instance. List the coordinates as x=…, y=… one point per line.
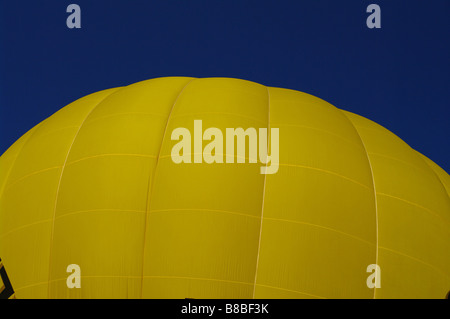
x=397, y=76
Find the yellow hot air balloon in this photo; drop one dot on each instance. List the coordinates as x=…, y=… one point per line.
x=93, y=196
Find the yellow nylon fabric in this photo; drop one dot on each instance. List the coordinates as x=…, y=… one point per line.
x=95, y=185
x=413, y=211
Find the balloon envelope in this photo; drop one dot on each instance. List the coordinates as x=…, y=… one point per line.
x=94, y=185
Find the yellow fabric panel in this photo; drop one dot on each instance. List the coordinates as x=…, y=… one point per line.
x=440, y=173
x=413, y=217
x=26, y=258
x=131, y=121
x=95, y=185
x=6, y=164
x=321, y=195
x=300, y=259
x=408, y=278
x=203, y=220
x=8, y=158
x=407, y=238
x=55, y=137
x=27, y=223
x=103, y=191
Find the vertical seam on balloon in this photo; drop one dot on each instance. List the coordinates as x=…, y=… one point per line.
x=59, y=184
x=375, y=195
x=151, y=182
x=264, y=191
x=13, y=164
